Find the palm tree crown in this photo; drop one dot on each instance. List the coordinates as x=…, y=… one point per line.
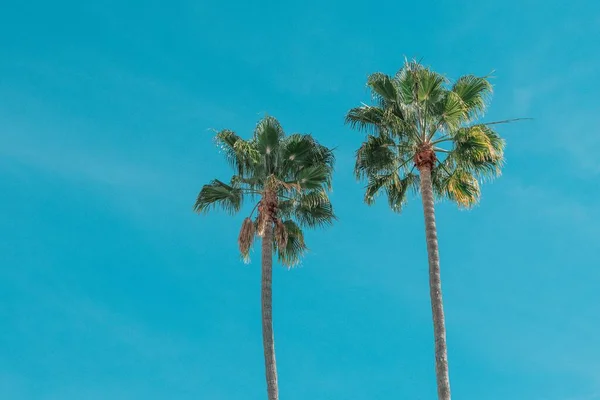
x=419, y=118
x=286, y=176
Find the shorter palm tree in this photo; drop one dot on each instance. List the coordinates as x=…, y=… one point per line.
x=287, y=178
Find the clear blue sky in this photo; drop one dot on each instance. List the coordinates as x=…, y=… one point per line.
x=111, y=288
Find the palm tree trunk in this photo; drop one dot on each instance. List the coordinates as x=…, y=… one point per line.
x=435, y=286
x=267, y=314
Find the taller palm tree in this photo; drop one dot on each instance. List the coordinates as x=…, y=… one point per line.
x=422, y=135
x=287, y=178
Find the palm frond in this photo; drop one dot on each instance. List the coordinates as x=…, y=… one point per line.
x=323, y=155
x=463, y=188
x=455, y=184
x=267, y=135
x=506, y=121
x=286, y=208
x=376, y=183
x=226, y=140
x=382, y=88
x=479, y=150
x=252, y=183
x=281, y=234
x=472, y=142
x=247, y=157
x=314, y=209
x=312, y=177
x=407, y=84
x=406, y=150
x=295, y=247
x=297, y=149
x=474, y=92
x=304, y=150
x=451, y=111
x=397, y=188
x=375, y=155
x=430, y=85
x=366, y=118
x=219, y=194
x=239, y=153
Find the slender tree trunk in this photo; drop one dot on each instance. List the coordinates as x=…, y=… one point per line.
x=267, y=313
x=435, y=286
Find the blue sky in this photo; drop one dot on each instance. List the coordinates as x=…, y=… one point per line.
x=111, y=288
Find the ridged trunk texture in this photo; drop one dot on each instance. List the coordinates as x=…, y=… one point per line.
x=435, y=285
x=267, y=313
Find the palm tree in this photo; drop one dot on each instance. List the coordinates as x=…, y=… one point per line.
x=287, y=178
x=422, y=135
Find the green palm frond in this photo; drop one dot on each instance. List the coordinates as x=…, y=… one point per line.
x=472, y=142
x=451, y=111
x=439, y=176
x=366, y=118
x=479, y=150
x=452, y=182
x=314, y=209
x=463, y=188
x=226, y=140
x=219, y=194
x=376, y=183
x=406, y=150
x=312, y=177
x=240, y=154
x=429, y=85
x=382, y=88
x=377, y=154
x=302, y=151
x=396, y=190
x=496, y=142
x=406, y=81
x=286, y=208
x=474, y=92
x=252, y=183
x=267, y=135
x=323, y=155
x=297, y=149
x=295, y=248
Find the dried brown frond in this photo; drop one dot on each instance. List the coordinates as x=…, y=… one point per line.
x=262, y=220
x=281, y=234
x=246, y=237
x=291, y=186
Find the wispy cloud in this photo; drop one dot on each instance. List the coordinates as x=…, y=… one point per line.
x=543, y=312
x=81, y=165
x=89, y=150
x=97, y=77
x=552, y=206
x=593, y=396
